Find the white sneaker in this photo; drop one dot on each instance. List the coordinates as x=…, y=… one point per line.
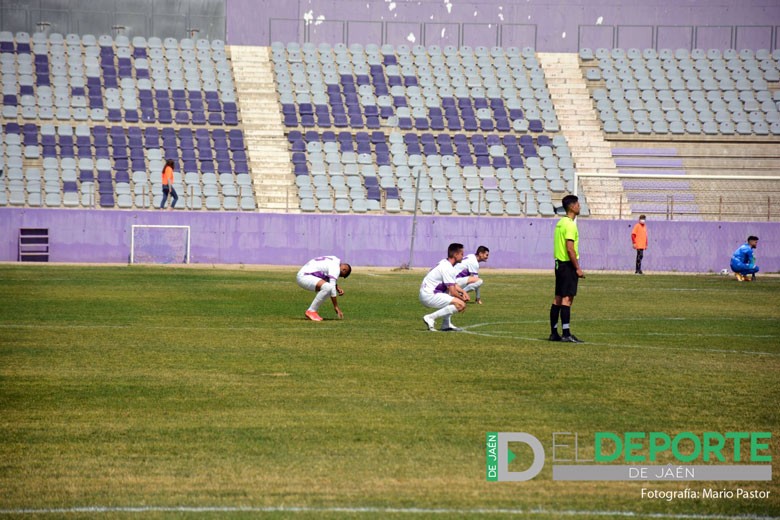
x=429, y=322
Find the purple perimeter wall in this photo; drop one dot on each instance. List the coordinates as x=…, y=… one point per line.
x=103, y=236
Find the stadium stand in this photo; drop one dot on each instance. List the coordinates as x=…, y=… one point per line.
x=692, y=114
x=457, y=130
x=685, y=93
x=87, y=122
x=97, y=117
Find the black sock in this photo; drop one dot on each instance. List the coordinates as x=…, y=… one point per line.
x=555, y=311
x=565, y=317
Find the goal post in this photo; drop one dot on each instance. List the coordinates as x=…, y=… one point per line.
x=158, y=244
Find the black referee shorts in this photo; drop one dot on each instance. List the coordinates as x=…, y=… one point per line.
x=565, y=279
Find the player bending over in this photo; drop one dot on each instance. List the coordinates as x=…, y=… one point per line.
x=467, y=271
x=320, y=275
x=440, y=291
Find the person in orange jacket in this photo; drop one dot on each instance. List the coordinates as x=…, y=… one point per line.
x=167, y=185
x=639, y=241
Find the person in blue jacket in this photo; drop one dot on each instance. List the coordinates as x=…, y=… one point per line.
x=743, y=263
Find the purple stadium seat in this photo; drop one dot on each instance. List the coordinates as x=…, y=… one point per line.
x=207, y=166
x=107, y=200
x=122, y=176
x=307, y=121
x=466, y=160
x=198, y=117
x=240, y=167
x=356, y=121
x=483, y=160
x=386, y=112
x=383, y=159
x=180, y=104
x=499, y=162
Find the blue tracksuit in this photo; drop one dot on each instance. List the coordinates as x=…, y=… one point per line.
x=743, y=261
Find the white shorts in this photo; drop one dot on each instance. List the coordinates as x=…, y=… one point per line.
x=308, y=281
x=462, y=282
x=435, y=300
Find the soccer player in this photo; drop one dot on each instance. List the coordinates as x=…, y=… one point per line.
x=440, y=291
x=320, y=275
x=468, y=271
x=567, y=270
x=743, y=263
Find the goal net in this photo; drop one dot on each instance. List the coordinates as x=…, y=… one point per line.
x=160, y=245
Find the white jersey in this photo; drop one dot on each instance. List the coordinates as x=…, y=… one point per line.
x=469, y=266
x=439, y=278
x=326, y=268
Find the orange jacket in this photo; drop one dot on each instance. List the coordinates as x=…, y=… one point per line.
x=167, y=175
x=639, y=236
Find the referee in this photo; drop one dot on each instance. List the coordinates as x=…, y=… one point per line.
x=567, y=270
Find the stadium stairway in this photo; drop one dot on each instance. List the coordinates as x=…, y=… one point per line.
x=580, y=125
x=269, y=159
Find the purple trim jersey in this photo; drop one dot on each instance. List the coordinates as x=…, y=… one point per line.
x=469, y=266
x=439, y=278
x=326, y=268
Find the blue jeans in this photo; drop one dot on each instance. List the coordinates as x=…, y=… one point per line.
x=174, y=196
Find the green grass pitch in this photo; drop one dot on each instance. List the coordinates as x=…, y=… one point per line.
x=161, y=388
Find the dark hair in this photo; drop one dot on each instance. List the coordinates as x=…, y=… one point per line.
x=349, y=271
x=642, y=217
x=569, y=200
x=169, y=162
x=752, y=237
x=482, y=249
x=454, y=248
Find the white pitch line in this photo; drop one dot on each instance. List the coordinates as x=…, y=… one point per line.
x=372, y=510
x=466, y=330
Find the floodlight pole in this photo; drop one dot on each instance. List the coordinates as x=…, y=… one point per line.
x=414, y=219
